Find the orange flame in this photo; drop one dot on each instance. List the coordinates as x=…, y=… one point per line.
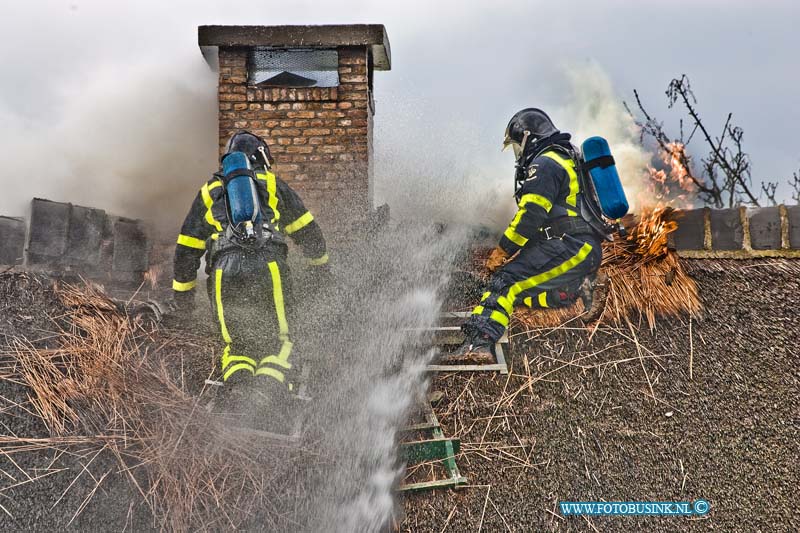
x=672, y=186
x=649, y=237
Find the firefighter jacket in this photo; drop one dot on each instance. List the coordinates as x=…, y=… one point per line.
x=208, y=219
x=550, y=191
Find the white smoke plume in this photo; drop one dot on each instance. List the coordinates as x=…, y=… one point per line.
x=136, y=140
x=435, y=167
x=596, y=109
x=447, y=169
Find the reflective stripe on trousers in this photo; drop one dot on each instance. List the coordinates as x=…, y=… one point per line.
x=270, y=365
x=501, y=313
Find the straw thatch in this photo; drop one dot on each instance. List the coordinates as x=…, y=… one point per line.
x=106, y=388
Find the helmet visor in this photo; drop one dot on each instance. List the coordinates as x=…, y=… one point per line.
x=508, y=141
x=517, y=147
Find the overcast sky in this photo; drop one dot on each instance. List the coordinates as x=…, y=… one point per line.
x=459, y=70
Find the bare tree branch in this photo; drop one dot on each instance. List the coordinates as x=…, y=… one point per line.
x=735, y=176
x=726, y=177
x=708, y=191
x=768, y=189
x=795, y=183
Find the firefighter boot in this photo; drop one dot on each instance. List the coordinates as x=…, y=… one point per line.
x=477, y=348
x=592, y=293
x=234, y=401
x=273, y=407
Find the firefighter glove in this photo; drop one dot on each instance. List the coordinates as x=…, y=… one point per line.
x=496, y=259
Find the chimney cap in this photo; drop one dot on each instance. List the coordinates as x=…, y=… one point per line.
x=373, y=36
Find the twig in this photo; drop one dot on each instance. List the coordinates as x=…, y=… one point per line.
x=449, y=516
x=501, y=516
x=485, y=503
x=641, y=359
x=691, y=348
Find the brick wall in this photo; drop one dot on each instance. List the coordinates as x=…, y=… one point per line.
x=321, y=138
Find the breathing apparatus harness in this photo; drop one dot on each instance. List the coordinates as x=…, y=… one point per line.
x=245, y=229
x=590, y=219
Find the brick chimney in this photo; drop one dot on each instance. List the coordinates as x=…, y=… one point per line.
x=308, y=90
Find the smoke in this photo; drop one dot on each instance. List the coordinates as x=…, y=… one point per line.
x=596, y=109
x=432, y=166
x=447, y=168
x=137, y=140
x=131, y=139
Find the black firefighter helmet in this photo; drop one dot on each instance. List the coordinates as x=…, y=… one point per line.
x=253, y=146
x=527, y=127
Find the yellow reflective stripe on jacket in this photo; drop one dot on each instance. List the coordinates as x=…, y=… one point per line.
x=319, y=260
x=272, y=191
x=191, y=242
x=304, y=220
x=183, y=286
x=569, y=166
x=537, y=199
x=513, y=236
x=542, y=299
x=538, y=279
x=218, y=299
x=205, y=192
x=277, y=294
x=511, y=233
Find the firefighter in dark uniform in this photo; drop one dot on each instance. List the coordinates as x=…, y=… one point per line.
x=557, y=252
x=248, y=280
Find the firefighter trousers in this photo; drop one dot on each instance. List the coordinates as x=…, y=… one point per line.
x=251, y=298
x=545, y=274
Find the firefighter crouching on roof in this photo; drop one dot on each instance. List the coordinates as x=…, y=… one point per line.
x=558, y=252
x=248, y=281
